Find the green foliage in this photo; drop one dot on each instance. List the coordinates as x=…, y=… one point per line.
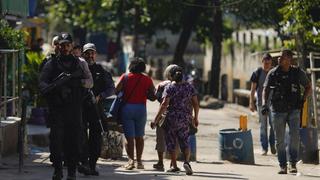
x=289, y=44
x=10, y=38
x=227, y=45
x=256, y=13
x=300, y=20
x=161, y=43
x=256, y=47
x=100, y=15
x=31, y=74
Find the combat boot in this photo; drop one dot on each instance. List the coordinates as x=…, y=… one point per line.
x=93, y=170
x=71, y=174
x=57, y=175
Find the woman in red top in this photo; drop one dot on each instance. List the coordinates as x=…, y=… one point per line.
x=137, y=87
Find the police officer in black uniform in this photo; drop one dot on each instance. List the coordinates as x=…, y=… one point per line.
x=103, y=87
x=63, y=82
x=283, y=83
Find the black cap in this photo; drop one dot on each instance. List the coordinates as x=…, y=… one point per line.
x=65, y=38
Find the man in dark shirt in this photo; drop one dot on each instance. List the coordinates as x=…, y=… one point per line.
x=283, y=83
x=257, y=80
x=103, y=87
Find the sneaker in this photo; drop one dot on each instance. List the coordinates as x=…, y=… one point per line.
x=293, y=168
x=174, y=170
x=130, y=165
x=283, y=170
x=273, y=149
x=159, y=166
x=188, y=169
x=264, y=152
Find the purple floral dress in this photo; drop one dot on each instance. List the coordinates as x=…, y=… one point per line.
x=179, y=114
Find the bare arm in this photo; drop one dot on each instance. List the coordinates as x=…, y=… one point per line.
x=253, y=91
x=119, y=86
x=162, y=109
x=87, y=82
x=152, y=93
x=195, y=105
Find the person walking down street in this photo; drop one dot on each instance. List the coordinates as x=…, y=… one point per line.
x=179, y=99
x=160, y=132
x=257, y=79
x=284, y=85
x=63, y=82
x=103, y=87
x=137, y=88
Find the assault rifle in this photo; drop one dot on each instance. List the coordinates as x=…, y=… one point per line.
x=99, y=110
x=59, y=81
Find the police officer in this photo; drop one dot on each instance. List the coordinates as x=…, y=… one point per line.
x=103, y=87
x=63, y=81
x=283, y=84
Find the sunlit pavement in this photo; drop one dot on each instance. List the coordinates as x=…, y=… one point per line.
x=207, y=166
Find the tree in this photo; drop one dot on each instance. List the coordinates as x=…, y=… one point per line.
x=189, y=19
x=302, y=25
x=264, y=13
x=216, y=48
x=120, y=16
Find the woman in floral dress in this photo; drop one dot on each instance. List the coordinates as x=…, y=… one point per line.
x=179, y=99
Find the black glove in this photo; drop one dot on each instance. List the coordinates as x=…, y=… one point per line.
x=264, y=110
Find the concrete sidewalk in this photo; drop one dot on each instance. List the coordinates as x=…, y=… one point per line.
x=207, y=166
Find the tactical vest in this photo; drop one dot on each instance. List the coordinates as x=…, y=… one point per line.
x=99, y=80
x=71, y=92
x=286, y=91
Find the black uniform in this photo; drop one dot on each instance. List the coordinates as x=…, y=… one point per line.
x=47, y=59
x=103, y=86
x=65, y=108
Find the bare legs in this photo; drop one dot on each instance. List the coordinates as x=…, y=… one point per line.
x=139, y=142
x=160, y=157
x=139, y=148
x=129, y=148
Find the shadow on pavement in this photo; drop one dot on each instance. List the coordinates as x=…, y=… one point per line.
x=312, y=176
x=203, y=162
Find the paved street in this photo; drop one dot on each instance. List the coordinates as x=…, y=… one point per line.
x=208, y=165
